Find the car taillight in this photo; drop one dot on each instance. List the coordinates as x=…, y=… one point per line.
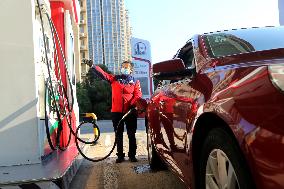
x=277, y=76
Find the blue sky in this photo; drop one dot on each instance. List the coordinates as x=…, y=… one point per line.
x=168, y=24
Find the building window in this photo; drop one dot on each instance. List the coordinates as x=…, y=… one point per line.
x=82, y=29
x=83, y=55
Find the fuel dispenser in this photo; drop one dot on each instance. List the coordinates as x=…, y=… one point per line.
x=23, y=73
x=36, y=99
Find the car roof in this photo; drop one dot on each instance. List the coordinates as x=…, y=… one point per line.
x=248, y=29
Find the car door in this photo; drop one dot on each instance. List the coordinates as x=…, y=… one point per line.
x=174, y=106
x=155, y=117
x=171, y=141
x=177, y=110
x=181, y=100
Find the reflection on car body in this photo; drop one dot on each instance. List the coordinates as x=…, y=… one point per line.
x=217, y=117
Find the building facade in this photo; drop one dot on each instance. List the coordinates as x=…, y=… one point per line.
x=281, y=12
x=109, y=33
x=84, y=47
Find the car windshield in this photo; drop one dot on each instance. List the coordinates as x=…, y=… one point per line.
x=243, y=41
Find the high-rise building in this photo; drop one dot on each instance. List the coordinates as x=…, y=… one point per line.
x=109, y=33
x=84, y=49
x=281, y=12
x=128, y=34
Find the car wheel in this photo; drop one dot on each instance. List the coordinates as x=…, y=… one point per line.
x=222, y=165
x=154, y=160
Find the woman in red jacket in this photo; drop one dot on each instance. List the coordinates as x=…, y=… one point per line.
x=126, y=91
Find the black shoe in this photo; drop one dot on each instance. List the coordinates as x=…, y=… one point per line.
x=133, y=159
x=119, y=160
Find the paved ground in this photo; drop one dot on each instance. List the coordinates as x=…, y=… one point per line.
x=109, y=175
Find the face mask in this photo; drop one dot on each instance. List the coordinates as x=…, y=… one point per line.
x=125, y=71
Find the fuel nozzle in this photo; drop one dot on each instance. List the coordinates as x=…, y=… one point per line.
x=129, y=112
x=89, y=117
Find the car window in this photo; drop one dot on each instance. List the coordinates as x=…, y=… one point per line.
x=187, y=55
x=243, y=41
x=162, y=83
x=166, y=82
x=227, y=44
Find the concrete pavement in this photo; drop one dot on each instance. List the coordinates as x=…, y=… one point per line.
x=109, y=175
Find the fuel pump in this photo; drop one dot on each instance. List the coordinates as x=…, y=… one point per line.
x=57, y=104
x=22, y=131
x=34, y=101
x=56, y=101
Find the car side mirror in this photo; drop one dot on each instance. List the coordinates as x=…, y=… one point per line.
x=173, y=69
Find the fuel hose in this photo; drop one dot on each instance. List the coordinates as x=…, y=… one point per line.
x=115, y=140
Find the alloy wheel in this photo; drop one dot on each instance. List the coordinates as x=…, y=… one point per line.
x=220, y=173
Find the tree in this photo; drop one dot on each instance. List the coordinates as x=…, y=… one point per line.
x=83, y=98
x=156, y=83
x=95, y=95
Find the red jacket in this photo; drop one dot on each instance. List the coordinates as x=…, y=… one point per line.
x=125, y=90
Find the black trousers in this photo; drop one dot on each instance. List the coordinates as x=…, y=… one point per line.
x=131, y=127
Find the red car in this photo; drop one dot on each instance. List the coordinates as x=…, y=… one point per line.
x=217, y=116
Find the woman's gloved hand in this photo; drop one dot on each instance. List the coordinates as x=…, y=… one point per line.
x=141, y=105
x=89, y=62
x=133, y=107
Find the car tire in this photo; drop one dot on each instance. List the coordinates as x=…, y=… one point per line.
x=222, y=163
x=155, y=162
